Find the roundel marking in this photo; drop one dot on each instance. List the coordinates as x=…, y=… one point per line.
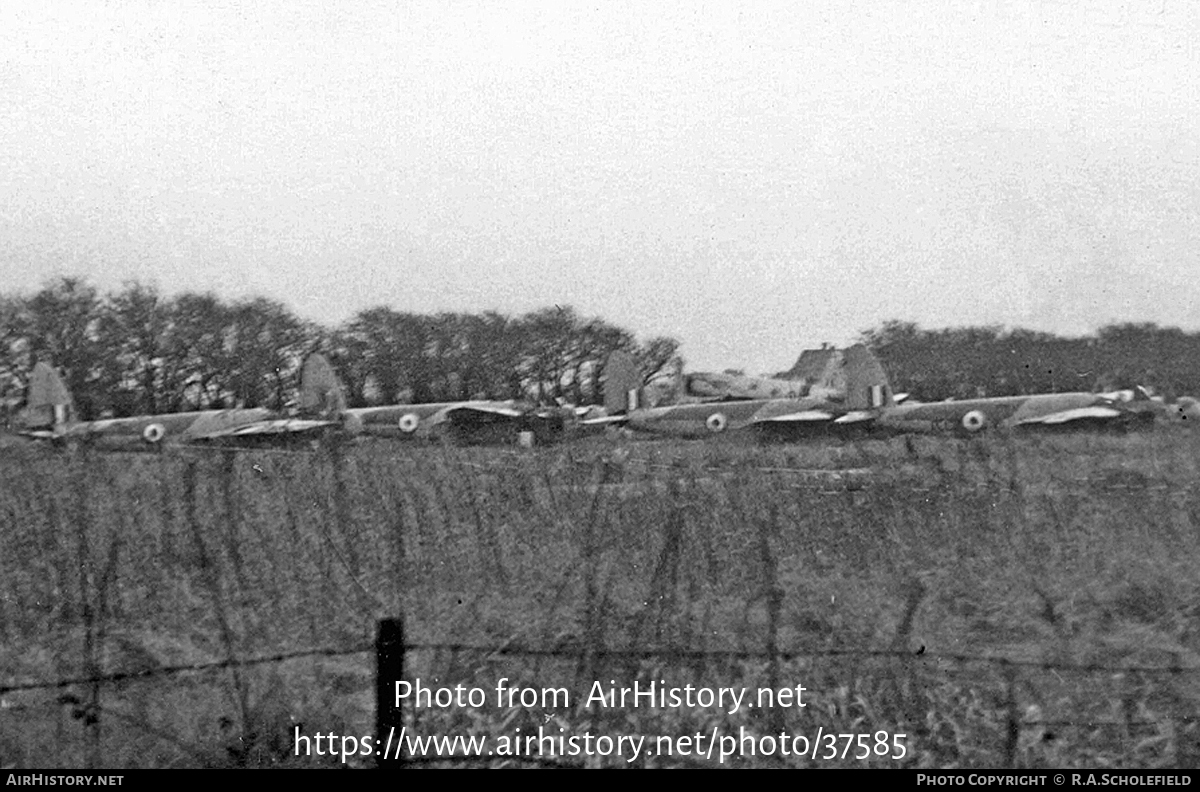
x=154, y=433
x=716, y=422
x=409, y=422
x=974, y=420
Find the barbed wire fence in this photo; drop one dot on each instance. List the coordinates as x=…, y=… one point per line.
x=390, y=649
x=1013, y=684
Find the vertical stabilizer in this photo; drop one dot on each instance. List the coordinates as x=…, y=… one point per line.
x=48, y=403
x=321, y=392
x=867, y=385
x=622, y=383
x=677, y=385
x=829, y=375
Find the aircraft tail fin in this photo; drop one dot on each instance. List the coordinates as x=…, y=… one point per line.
x=48, y=403
x=321, y=392
x=679, y=382
x=622, y=383
x=867, y=386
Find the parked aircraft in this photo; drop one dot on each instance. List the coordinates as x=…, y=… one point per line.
x=814, y=374
x=707, y=385
x=49, y=414
x=1044, y=410
x=853, y=393
x=322, y=394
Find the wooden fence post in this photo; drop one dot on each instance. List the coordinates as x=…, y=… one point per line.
x=389, y=669
x=1012, y=739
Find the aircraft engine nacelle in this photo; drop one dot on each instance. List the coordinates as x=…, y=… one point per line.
x=716, y=423
x=154, y=433
x=974, y=421
x=352, y=424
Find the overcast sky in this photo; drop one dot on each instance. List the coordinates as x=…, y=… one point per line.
x=752, y=178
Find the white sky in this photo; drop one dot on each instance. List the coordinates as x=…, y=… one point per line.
x=752, y=178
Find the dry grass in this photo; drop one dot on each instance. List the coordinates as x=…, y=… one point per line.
x=1077, y=556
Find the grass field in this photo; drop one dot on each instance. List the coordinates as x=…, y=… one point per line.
x=1028, y=601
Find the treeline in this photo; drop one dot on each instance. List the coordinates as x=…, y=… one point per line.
x=136, y=351
x=989, y=361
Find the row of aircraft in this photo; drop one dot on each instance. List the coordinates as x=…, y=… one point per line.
x=835, y=392
x=853, y=395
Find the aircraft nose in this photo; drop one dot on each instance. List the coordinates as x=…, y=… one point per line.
x=1188, y=409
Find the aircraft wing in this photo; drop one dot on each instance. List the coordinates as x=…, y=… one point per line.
x=604, y=419
x=492, y=408
x=818, y=416
x=268, y=427
x=1096, y=411
x=802, y=416
x=856, y=416
x=40, y=434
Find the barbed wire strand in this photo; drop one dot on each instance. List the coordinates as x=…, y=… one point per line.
x=576, y=653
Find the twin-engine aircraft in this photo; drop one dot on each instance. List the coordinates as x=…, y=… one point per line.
x=1043, y=410
x=322, y=395
x=49, y=414
x=853, y=392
